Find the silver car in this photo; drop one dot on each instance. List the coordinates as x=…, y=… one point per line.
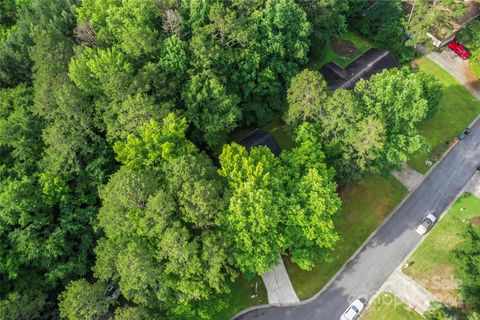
x=353, y=311
x=426, y=224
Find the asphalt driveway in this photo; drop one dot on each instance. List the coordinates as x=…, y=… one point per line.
x=457, y=67
x=368, y=270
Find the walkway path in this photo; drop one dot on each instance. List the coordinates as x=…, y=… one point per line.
x=474, y=186
x=410, y=292
x=279, y=288
x=410, y=178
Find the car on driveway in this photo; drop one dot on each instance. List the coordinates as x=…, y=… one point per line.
x=459, y=50
x=353, y=311
x=426, y=224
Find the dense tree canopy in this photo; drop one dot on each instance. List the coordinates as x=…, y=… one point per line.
x=427, y=16
x=114, y=169
x=468, y=256
x=373, y=127
x=277, y=205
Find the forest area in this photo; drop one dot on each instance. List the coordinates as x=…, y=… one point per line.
x=122, y=195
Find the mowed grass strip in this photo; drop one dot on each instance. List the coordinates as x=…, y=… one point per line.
x=365, y=204
x=457, y=109
x=241, y=296
x=433, y=263
x=388, y=307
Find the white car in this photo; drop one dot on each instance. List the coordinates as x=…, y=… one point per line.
x=426, y=224
x=353, y=312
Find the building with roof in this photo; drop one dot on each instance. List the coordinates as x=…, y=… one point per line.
x=369, y=63
x=261, y=138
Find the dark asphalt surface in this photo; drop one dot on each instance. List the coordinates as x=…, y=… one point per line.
x=364, y=275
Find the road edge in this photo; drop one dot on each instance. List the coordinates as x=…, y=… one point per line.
x=354, y=255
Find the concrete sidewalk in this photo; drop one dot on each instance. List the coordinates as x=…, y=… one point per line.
x=408, y=177
x=279, y=288
x=409, y=291
x=473, y=186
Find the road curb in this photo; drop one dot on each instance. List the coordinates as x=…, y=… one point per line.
x=440, y=217
x=355, y=254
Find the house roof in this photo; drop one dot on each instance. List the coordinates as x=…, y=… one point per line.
x=371, y=62
x=261, y=138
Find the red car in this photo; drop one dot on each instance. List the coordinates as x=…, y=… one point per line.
x=459, y=50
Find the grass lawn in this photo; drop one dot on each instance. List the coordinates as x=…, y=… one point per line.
x=365, y=205
x=329, y=54
x=433, y=263
x=458, y=108
x=388, y=307
x=240, y=297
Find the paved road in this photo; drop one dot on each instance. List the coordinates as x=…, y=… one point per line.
x=364, y=275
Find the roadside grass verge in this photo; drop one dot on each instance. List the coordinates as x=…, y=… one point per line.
x=388, y=307
x=365, y=204
x=433, y=263
x=457, y=109
x=329, y=55
x=241, y=296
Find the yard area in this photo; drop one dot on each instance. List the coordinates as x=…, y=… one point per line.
x=365, y=204
x=388, y=307
x=241, y=296
x=458, y=108
x=342, y=51
x=433, y=263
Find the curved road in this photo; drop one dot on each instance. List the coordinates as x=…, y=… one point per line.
x=371, y=267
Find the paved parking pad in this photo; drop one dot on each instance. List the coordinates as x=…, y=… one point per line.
x=408, y=177
x=410, y=292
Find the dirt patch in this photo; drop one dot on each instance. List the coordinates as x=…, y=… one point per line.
x=441, y=282
x=471, y=78
x=475, y=221
x=344, y=48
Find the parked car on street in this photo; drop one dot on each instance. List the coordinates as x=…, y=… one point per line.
x=459, y=50
x=426, y=224
x=353, y=311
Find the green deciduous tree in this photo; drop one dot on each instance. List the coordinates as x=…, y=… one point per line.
x=160, y=214
x=389, y=97
x=210, y=108
x=313, y=202
x=468, y=256
x=384, y=23
x=174, y=57
x=306, y=95
x=84, y=301
x=428, y=15
x=130, y=24
x=327, y=18
x=255, y=207
x=279, y=205
x=125, y=117
x=470, y=35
